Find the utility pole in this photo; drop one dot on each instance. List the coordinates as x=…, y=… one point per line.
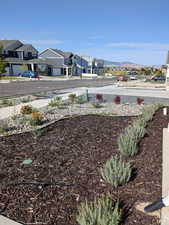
x=81, y=68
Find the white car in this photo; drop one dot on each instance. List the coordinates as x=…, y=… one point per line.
x=133, y=77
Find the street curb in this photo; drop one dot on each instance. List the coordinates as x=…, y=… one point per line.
x=165, y=173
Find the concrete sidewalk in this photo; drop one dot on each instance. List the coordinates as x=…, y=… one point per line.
x=14, y=110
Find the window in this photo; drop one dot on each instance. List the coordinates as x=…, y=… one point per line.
x=29, y=54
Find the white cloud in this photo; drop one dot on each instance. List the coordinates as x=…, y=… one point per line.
x=155, y=46
x=43, y=42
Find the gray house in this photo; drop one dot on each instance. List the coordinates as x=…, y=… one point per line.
x=94, y=65
x=62, y=63
x=16, y=54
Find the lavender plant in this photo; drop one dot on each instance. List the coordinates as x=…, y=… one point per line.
x=116, y=172
x=102, y=211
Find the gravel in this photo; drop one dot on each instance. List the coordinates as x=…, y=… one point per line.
x=20, y=123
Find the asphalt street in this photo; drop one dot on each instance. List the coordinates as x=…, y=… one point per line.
x=31, y=87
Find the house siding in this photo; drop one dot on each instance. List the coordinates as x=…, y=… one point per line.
x=48, y=54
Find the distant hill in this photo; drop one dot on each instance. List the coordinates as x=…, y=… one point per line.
x=122, y=64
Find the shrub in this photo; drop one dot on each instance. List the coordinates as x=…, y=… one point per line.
x=99, y=97
x=37, y=133
x=7, y=102
x=136, y=131
x=100, y=212
x=36, y=119
x=26, y=109
x=116, y=172
x=141, y=121
x=72, y=97
x=2, y=130
x=56, y=102
x=140, y=100
x=3, y=127
x=117, y=100
x=149, y=111
x=127, y=142
x=127, y=145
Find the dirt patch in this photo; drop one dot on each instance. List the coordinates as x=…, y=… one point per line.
x=68, y=155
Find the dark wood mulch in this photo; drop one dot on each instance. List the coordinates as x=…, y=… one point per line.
x=70, y=152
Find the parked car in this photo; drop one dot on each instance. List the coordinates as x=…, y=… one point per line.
x=122, y=78
x=29, y=74
x=158, y=78
x=133, y=77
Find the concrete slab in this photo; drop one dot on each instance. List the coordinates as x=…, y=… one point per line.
x=5, y=221
x=165, y=176
x=14, y=110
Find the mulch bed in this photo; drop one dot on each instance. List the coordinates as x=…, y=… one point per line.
x=70, y=153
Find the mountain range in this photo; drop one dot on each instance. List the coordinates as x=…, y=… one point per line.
x=121, y=64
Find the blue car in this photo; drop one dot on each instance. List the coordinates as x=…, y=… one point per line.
x=29, y=74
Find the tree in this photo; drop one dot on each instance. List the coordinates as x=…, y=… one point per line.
x=2, y=62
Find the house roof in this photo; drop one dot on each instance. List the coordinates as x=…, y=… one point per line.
x=167, y=61
x=26, y=47
x=10, y=43
x=64, y=54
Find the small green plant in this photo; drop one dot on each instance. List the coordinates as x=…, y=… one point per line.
x=72, y=98
x=116, y=172
x=7, y=102
x=100, y=212
x=2, y=130
x=128, y=141
x=149, y=111
x=135, y=131
x=3, y=127
x=26, y=109
x=36, y=119
x=127, y=145
x=56, y=102
x=37, y=132
x=141, y=121
x=50, y=111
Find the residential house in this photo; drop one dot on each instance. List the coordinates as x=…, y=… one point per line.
x=16, y=54
x=94, y=65
x=61, y=63
x=79, y=65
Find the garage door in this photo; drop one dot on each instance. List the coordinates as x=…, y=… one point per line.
x=17, y=69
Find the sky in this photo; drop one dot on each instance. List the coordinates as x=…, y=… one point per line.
x=114, y=30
